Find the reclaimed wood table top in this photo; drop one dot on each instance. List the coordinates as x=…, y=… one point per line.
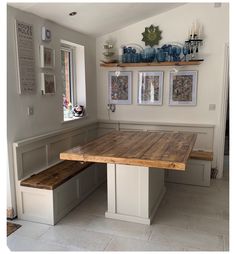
x=169, y=150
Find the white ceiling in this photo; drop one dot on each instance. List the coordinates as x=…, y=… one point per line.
x=95, y=19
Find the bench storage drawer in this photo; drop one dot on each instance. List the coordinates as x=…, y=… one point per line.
x=50, y=205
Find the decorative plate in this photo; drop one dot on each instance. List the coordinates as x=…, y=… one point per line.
x=152, y=35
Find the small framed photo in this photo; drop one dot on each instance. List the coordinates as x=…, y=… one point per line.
x=47, y=57
x=48, y=83
x=150, y=87
x=183, y=88
x=119, y=87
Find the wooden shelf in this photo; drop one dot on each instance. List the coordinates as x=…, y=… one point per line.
x=151, y=64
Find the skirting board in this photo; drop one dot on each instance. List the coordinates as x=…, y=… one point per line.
x=124, y=217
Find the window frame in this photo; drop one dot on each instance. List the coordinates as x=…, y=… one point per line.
x=78, y=77
x=72, y=72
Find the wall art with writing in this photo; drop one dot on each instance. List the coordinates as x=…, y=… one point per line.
x=26, y=58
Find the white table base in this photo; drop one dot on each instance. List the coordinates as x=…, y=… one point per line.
x=134, y=192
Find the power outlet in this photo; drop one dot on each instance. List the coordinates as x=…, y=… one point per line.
x=30, y=111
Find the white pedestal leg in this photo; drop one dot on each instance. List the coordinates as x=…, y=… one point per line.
x=134, y=192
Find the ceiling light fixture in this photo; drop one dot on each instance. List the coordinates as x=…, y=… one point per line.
x=73, y=13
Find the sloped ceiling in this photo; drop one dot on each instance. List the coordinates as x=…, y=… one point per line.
x=95, y=19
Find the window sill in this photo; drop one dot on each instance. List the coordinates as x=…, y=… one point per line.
x=67, y=120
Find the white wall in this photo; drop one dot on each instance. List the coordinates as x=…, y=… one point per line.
x=174, y=24
x=48, y=111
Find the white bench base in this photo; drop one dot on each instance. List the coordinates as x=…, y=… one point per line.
x=49, y=206
x=198, y=173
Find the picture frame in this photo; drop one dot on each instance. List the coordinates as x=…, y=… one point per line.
x=48, y=83
x=119, y=87
x=150, y=87
x=183, y=88
x=25, y=57
x=47, y=57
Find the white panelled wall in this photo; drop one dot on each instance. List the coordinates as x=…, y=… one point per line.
x=174, y=25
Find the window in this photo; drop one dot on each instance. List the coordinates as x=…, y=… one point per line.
x=73, y=80
x=67, y=72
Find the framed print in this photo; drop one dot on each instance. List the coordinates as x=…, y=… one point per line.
x=150, y=87
x=119, y=87
x=48, y=83
x=183, y=88
x=25, y=57
x=47, y=56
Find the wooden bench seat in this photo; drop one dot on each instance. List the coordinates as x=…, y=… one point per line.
x=201, y=155
x=54, y=176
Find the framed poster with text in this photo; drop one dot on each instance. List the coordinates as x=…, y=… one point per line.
x=25, y=57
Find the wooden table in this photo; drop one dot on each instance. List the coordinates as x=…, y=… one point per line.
x=135, y=162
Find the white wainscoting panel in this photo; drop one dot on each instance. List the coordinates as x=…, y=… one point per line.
x=134, y=192
x=198, y=172
x=38, y=153
x=32, y=160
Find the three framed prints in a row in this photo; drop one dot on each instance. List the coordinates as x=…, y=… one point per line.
x=182, y=87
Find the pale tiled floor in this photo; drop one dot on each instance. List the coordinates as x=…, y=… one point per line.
x=189, y=218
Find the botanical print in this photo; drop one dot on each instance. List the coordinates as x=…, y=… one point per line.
x=182, y=88
x=49, y=83
x=48, y=57
x=150, y=88
x=119, y=88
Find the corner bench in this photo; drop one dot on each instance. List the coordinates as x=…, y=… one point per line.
x=49, y=195
x=198, y=170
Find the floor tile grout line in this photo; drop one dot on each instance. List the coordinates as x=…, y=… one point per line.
x=45, y=241
x=220, y=235
x=116, y=235
x=108, y=243
x=49, y=228
x=64, y=245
